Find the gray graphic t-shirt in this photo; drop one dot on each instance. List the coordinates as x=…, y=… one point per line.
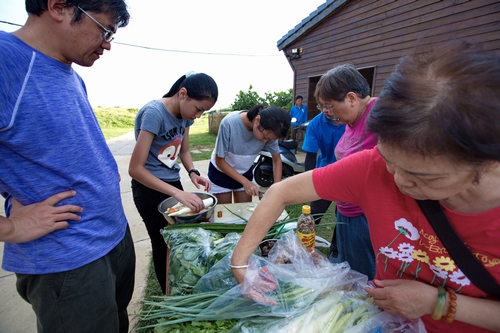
x=169, y=132
x=237, y=145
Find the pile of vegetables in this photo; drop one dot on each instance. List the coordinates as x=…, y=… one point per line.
x=333, y=312
x=311, y=295
x=216, y=297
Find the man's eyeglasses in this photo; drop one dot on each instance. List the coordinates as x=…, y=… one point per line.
x=323, y=107
x=108, y=34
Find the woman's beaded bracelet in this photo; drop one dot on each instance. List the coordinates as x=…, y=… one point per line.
x=238, y=266
x=441, y=301
x=452, y=308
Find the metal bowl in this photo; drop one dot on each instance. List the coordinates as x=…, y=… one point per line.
x=205, y=215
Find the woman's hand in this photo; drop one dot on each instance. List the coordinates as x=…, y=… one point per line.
x=407, y=298
x=255, y=283
x=34, y=221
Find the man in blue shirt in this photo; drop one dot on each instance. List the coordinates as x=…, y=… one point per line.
x=299, y=112
x=65, y=231
x=323, y=133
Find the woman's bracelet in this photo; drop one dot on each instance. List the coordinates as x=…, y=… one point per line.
x=452, y=308
x=441, y=301
x=238, y=266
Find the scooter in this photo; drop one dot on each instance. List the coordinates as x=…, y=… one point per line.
x=263, y=164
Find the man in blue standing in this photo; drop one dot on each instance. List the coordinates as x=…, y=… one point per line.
x=65, y=231
x=299, y=112
x=323, y=133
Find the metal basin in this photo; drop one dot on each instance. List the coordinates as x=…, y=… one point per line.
x=205, y=215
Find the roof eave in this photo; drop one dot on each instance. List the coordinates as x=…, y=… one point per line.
x=309, y=22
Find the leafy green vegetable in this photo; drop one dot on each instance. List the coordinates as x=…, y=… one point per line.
x=218, y=326
x=189, y=250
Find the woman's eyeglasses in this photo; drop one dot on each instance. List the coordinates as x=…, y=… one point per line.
x=324, y=107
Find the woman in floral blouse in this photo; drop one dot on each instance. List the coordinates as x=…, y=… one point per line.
x=438, y=124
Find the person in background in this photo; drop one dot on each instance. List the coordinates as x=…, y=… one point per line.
x=58, y=174
x=299, y=116
x=241, y=137
x=438, y=126
x=323, y=133
x=346, y=94
x=162, y=134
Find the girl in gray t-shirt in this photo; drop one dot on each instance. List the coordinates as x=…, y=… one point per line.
x=241, y=137
x=162, y=134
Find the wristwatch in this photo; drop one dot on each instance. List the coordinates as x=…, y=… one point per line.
x=193, y=170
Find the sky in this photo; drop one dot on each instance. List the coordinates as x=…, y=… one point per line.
x=233, y=41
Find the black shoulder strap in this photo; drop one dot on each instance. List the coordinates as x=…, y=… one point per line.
x=460, y=253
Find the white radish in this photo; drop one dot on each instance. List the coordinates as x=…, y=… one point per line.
x=186, y=210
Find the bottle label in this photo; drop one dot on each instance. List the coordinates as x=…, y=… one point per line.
x=307, y=239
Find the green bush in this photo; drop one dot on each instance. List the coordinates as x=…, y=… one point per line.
x=245, y=100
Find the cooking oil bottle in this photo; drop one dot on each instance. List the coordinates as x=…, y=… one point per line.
x=306, y=228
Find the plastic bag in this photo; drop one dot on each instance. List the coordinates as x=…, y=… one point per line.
x=219, y=277
x=289, y=249
x=222, y=248
x=333, y=312
x=340, y=311
x=384, y=322
x=188, y=259
x=298, y=283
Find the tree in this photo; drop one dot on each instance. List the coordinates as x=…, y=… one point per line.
x=245, y=100
x=283, y=99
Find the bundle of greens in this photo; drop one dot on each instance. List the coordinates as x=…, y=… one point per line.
x=193, y=251
x=218, y=326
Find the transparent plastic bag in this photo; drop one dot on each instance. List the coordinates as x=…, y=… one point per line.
x=222, y=248
x=219, y=277
x=332, y=312
x=188, y=257
x=384, y=322
x=298, y=283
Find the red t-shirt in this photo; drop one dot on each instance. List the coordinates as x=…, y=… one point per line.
x=405, y=245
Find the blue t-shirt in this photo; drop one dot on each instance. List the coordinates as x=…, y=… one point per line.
x=323, y=135
x=50, y=141
x=299, y=113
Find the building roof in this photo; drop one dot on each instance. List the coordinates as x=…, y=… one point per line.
x=309, y=22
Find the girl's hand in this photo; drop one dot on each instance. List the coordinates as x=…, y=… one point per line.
x=251, y=188
x=407, y=298
x=190, y=200
x=199, y=180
